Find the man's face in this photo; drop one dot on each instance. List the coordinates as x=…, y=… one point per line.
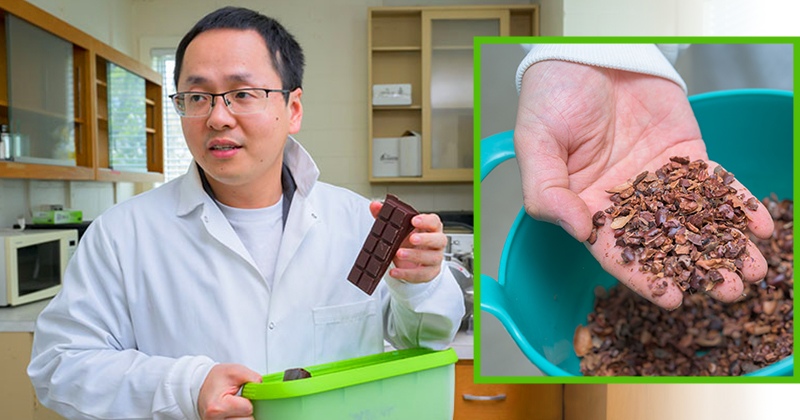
x=220, y=60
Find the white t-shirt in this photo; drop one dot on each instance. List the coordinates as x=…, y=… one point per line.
x=260, y=231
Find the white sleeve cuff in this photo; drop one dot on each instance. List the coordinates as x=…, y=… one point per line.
x=181, y=387
x=411, y=294
x=638, y=58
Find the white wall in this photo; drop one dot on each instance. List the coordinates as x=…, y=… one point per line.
x=619, y=17
x=680, y=18
x=551, y=13
x=108, y=21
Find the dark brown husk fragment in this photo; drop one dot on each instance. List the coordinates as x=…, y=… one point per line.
x=680, y=223
x=704, y=337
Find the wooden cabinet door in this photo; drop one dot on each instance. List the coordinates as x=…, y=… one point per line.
x=17, y=397
x=447, y=87
x=504, y=401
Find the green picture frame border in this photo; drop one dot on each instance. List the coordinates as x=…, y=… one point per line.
x=478, y=42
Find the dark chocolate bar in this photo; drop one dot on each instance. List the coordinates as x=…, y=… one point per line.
x=391, y=227
x=295, y=373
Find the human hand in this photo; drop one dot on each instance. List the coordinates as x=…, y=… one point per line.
x=419, y=259
x=218, y=399
x=582, y=130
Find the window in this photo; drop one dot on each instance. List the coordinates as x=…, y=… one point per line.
x=176, y=155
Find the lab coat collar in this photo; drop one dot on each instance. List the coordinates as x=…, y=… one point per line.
x=301, y=167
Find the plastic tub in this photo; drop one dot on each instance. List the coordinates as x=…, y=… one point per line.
x=541, y=294
x=414, y=384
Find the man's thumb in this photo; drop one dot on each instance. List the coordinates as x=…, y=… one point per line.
x=558, y=205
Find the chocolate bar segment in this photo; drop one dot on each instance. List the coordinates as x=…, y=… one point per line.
x=391, y=227
x=295, y=373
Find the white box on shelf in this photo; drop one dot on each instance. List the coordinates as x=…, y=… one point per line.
x=411, y=154
x=385, y=157
x=399, y=94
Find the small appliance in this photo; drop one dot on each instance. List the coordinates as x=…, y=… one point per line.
x=32, y=264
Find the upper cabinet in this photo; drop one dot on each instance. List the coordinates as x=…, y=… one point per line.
x=426, y=135
x=74, y=107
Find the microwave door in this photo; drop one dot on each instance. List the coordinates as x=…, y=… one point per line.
x=39, y=267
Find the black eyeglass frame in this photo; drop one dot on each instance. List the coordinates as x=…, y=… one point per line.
x=225, y=101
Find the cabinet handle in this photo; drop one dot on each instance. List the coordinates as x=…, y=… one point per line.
x=499, y=397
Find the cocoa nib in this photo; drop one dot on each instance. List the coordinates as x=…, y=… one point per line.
x=684, y=212
x=599, y=219
x=626, y=335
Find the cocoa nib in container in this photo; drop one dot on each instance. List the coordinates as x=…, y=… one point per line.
x=626, y=335
x=680, y=223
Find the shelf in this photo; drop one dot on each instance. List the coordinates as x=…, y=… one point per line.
x=37, y=111
x=110, y=175
x=453, y=48
x=396, y=179
x=395, y=107
x=89, y=123
x=451, y=108
x=390, y=49
x=404, y=46
x=419, y=179
x=39, y=171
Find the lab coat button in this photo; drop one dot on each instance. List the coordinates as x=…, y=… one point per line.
x=314, y=215
x=271, y=325
x=205, y=219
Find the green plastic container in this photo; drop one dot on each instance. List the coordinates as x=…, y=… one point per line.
x=416, y=384
x=545, y=287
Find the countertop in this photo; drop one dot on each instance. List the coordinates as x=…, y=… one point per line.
x=462, y=344
x=23, y=319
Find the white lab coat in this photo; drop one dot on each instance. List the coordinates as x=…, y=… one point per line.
x=161, y=288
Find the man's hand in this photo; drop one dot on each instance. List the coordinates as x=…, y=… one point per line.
x=582, y=130
x=419, y=259
x=218, y=399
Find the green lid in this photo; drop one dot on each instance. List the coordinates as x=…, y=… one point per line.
x=349, y=372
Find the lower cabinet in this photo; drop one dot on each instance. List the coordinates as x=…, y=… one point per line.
x=504, y=401
x=17, y=397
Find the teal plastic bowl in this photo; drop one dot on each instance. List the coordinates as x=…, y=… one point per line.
x=541, y=296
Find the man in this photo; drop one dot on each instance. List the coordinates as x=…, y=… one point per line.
x=177, y=297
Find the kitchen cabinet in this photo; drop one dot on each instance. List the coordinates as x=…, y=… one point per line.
x=54, y=96
x=431, y=49
x=504, y=401
x=17, y=397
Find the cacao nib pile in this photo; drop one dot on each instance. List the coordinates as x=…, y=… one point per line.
x=681, y=224
x=627, y=335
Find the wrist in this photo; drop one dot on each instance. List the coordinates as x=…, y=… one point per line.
x=638, y=58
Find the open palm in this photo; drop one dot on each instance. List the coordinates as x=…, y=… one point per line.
x=582, y=130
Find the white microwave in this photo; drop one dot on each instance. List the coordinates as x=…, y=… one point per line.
x=32, y=263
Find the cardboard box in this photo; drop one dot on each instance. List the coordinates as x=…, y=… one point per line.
x=411, y=154
x=397, y=156
x=385, y=157
x=399, y=94
x=56, y=217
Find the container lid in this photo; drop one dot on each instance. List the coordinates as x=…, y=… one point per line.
x=349, y=372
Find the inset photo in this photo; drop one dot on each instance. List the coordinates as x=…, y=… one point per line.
x=636, y=208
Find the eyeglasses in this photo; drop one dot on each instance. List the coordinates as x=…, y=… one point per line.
x=239, y=101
